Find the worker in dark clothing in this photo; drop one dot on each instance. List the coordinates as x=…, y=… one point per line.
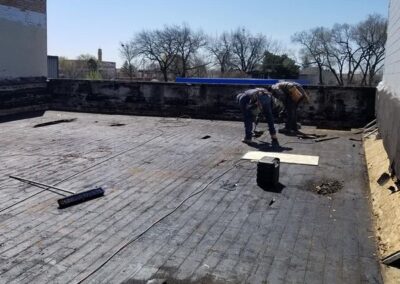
x=290, y=94
x=252, y=103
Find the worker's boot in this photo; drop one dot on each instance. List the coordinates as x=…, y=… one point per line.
x=287, y=131
x=275, y=143
x=247, y=140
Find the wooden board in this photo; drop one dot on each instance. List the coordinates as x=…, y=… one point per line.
x=391, y=258
x=284, y=158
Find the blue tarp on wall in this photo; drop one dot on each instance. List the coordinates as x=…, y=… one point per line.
x=234, y=81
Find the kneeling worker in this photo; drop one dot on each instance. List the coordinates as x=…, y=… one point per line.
x=252, y=103
x=290, y=94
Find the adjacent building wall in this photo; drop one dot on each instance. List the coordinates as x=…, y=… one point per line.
x=23, y=37
x=388, y=98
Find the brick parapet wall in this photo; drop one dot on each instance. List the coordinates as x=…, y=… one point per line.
x=23, y=96
x=336, y=107
x=340, y=107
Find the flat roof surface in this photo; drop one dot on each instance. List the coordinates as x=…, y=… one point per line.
x=145, y=227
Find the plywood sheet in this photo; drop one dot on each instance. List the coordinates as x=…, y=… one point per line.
x=284, y=158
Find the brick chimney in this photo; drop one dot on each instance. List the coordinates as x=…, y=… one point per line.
x=100, y=55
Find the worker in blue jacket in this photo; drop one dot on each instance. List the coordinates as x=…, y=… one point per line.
x=252, y=103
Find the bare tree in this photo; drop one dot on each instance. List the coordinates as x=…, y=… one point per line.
x=370, y=35
x=157, y=46
x=277, y=47
x=247, y=50
x=199, y=68
x=128, y=53
x=346, y=48
x=221, y=50
x=69, y=68
x=312, y=50
x=342, y=35
x=85, y=57
x=336, y=56
x=188, y=44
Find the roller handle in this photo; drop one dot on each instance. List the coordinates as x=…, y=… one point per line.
x=41, y=184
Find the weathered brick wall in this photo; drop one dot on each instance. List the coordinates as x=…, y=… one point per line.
x=332, y=106
x=392, y=56
x=23, y=96
x=329, y=106
x=388, y=98
x=38, y=6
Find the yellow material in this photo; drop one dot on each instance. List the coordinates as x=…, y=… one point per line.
x=385, y=206
x=295, y=94
x=284, y=158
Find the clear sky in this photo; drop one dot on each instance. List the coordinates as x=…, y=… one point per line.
x=82, y=26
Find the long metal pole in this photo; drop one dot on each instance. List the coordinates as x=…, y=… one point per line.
x=41, y=184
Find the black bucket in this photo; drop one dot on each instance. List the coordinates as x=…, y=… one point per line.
x=268, y=174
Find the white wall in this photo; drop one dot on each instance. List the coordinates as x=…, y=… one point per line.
x=388, y=92
x=23, y=43
x=391, y=75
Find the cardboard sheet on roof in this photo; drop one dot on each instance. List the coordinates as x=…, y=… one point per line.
x=283, y=157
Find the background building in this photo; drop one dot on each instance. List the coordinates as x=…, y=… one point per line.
x=23, y=36
x=52, y=67
x=85, y=66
